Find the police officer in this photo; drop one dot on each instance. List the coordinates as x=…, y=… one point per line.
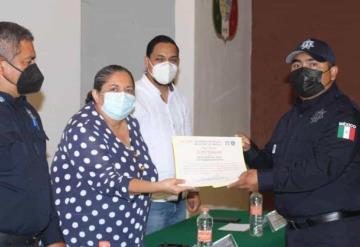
x=312, y=162
x=27, y=213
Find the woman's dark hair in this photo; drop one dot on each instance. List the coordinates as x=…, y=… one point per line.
x=159, y=39
x=102, y=75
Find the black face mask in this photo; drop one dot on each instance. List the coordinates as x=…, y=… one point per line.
x=306, y=82
x=30, y=80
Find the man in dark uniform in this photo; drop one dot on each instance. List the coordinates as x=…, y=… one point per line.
x=312, y=162
x=27, y=212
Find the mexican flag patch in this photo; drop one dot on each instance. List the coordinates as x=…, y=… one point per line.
x=346, y=131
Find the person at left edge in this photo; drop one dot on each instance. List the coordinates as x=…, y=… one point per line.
x=27, y=213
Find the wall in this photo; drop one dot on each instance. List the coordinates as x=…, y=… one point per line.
x=214, y=76
x=117, y=32
x=57, y=43
x=185, y=39
x=222, y=87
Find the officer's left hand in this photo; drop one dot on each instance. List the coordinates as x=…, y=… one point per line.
x=193, y=201
x=248, y=180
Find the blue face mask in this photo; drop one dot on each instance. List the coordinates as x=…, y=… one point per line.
x=118, y=105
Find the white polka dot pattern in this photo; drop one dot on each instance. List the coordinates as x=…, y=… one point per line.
x=90, y=173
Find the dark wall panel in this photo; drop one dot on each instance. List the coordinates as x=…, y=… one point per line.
x=278, y=26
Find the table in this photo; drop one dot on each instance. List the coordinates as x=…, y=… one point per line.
x=185, y=232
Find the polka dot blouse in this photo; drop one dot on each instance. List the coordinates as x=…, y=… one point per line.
x=90, y=173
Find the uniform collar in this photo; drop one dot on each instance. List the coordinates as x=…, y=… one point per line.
x=9, y=98
x=330, y=94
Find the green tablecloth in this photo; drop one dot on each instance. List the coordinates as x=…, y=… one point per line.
x=185, y=233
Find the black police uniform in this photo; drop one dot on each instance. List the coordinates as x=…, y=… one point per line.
x=314, y=170
x=26, y=205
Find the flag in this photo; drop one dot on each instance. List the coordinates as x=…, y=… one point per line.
x=225, y=17
x=346, y=131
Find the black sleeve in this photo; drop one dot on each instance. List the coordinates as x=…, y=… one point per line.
x=332, y=155
x=258, y=159
x=262, y=159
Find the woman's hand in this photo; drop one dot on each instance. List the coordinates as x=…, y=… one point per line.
x=58, y=244
x=172, y=186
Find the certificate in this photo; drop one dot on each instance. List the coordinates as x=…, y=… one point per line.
x=208, y=161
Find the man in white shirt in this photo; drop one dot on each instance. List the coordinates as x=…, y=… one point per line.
x=163, y=112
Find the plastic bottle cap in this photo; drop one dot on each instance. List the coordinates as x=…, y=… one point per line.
x=205, y=209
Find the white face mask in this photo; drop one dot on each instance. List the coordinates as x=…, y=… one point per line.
x=118, y=105
x=164, y=73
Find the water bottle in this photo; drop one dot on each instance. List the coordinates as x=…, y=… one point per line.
x=204, y=228
x=256, y=217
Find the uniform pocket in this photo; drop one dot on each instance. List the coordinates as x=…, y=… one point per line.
x=301, y=148
x=10, y=147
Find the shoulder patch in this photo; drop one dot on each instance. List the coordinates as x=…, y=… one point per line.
x=346, y=131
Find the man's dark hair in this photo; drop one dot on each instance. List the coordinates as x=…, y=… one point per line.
x=159, y=39
x=102, y=75
x=11, y=34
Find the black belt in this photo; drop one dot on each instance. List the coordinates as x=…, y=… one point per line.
x=321, y=219
x=17, y=240
x=179, y=198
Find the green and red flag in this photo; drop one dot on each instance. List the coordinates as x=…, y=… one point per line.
x=225, y=16
x=346, y=131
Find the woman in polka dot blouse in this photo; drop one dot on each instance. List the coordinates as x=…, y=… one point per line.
x=102, y=174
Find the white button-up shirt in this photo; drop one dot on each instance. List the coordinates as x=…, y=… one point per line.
x=159, y=121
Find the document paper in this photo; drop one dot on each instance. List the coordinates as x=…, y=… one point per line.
x=208, y=161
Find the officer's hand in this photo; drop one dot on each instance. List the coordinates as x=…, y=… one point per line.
x=248, y=180
x=246, y=142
